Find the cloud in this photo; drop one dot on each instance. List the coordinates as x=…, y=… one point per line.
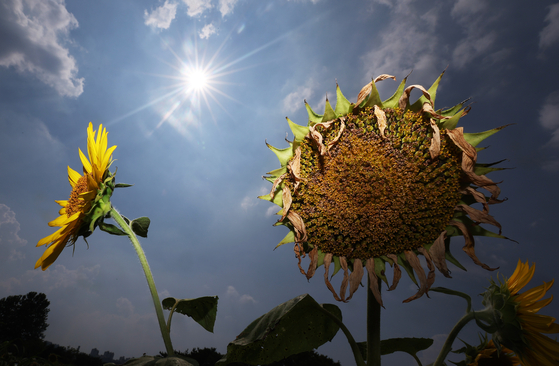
x=9, y=238
x=55, y=278
x=294, y=100
x=197, y=7
x=234, y=294
x=549, y=116
x=272, y=210
x=207, y=31
x=32, y=33
x=412, y=44
x=550, y=34
x=124, y=306
x=226, y=6
x=162, y=16
x=248, y=202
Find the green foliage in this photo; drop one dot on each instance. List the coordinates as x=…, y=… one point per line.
x=140, y=226
x=298, y=325
x=23, y=317
x=203, y=310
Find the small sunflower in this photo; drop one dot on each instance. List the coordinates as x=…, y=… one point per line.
x=489, y=355
x=515, y=318
x=88, y=200
x=379, y=182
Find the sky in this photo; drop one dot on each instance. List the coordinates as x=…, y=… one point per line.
x=196, y=153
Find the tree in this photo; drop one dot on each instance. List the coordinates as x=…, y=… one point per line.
x=23, y=317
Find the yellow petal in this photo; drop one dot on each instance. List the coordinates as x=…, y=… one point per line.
x=64, y=220
x=73, y=177
x=85, y=162
x=50, y=255
x=62, y=203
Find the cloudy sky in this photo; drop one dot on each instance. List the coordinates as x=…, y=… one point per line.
x=196, y=156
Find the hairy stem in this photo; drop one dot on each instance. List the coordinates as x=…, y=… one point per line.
x=151, y=284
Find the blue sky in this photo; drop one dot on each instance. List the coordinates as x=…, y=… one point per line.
x=196, y=157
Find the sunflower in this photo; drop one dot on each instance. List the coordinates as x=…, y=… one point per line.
x=515, y=318
x=88, y=200
x=376, y=182
x=491, y=356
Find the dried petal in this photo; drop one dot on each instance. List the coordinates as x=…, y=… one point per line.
x=403, y=102
x=469, y=246
x=373, y=280
x=397, y=271
x=435, y=148
x=313, y=255
x=381, y=119
x=355, y=277
x=327, y=261
x=287, y=200
x=366, y=90
x=345, y=280
x=276, y=182
x=342, y=127
x=479, y=216
x=382, y=77
x=297, y=249
x=431, y=274
x=437, y=252
x=298, y=226
x=412, y=259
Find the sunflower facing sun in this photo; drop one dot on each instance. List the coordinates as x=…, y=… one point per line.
x=85, y=208
x=379, y=182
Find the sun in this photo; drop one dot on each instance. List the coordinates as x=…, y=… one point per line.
x=197, y=79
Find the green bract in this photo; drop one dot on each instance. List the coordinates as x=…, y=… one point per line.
x=376, y=182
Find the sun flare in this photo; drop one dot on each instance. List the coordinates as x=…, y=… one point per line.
x=197, y=79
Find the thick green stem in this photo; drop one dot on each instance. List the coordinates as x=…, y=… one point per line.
x=373, y=327
x=354, y=347
x=151, y=284
x=447, y=347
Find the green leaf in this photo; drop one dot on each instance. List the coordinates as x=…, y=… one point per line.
x=448, y=291
x=475, y=138
x=111, y=229
x=380, y=269
x=123, y=185
x=140, y=226
x=374, y=98
x=404, y=263
x=126, y=219
x=432, y=91
x=448, y=255
x=203, y=309
x=408, y=345
x=482, y=169
x=295, y=326
x=313, y=117
x=283, y=154
x=392, y=102
x=298, y=131
x=329, y=113
x=342, y=104
x=289, y=238
x=450, y=124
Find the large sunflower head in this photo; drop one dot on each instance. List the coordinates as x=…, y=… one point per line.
x=376, y=182
x=89, y=200
x=515, y=319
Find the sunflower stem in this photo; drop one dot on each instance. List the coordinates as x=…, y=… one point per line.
x=447, y=347
x=151, y=283
x=373, y=327
x=354, y=347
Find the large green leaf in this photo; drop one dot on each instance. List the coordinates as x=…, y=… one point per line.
x=342, y=104
x=203, y=309
x=298, y=325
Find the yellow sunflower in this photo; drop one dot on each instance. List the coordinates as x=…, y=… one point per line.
x=376, y=182
x=515, y=317
x=77, y=217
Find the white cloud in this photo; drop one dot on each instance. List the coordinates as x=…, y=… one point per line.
x=549, y=116
x=234, y=294
x=272, y=210
x=248, y=202
x=162, y=16
x=32, y=33
x=226, y=6
x=550, y=34
x=10, y=241
x=55, y=277
x=124, y=306
x=295, y=100
x=197, y=7
x=207, y=31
